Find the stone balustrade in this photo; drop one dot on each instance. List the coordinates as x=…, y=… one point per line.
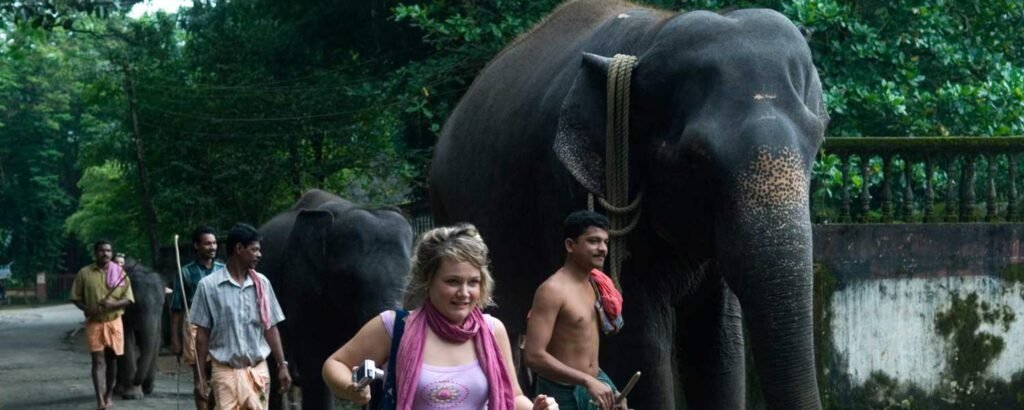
x=958, y=173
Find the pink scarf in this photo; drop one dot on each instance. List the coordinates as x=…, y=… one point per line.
x=261, y=299
x=115, y=275
x=410, y=354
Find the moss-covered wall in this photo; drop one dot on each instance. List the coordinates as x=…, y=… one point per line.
x=879, y=251
x=952, y=287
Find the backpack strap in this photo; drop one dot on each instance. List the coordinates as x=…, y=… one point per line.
x=389, y=401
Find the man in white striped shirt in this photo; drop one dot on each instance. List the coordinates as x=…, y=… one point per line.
x=237, y=314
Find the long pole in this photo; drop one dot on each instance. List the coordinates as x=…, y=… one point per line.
x=177, y=384
x=188, y=318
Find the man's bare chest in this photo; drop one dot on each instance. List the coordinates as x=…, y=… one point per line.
x=578, y=312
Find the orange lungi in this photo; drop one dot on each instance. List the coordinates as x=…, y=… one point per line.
x=101, y=335
x=247, y=388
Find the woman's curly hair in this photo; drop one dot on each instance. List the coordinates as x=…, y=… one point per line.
x=458, y=243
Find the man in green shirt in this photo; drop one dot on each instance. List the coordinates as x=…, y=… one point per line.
x=102, y=290
x=204, y=242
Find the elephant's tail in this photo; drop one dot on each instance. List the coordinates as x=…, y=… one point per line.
x=438, y=209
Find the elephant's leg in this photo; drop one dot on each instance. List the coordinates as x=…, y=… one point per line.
x=128, y=367
x=149, y=346
x=126, y=363
x=311, y=362
x=644, y=344
x=711, y=354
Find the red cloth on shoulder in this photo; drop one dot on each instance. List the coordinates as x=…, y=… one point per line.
x=611, y=298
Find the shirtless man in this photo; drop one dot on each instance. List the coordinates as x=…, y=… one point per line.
x=562, y=330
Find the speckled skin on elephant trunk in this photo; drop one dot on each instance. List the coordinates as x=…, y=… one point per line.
x=764, y=250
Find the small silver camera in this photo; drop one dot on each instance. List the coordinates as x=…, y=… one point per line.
x=366, y=374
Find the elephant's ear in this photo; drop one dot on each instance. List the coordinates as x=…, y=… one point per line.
x=816, y=101
x=580, y=143
x=307, y=246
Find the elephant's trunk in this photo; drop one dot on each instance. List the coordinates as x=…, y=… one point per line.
x=764, y=250
x=767, y=263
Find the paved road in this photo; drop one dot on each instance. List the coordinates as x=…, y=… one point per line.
x=41, y=367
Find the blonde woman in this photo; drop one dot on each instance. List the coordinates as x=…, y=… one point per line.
x=449, y=355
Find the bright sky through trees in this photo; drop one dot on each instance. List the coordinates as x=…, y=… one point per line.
x=152, y=6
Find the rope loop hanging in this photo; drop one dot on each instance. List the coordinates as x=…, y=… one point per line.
x=616, y=199
x=622, y=210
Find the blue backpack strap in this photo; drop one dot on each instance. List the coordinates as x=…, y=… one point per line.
x=389, y=401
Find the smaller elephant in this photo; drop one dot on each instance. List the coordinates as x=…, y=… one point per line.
x=136, y=369
x=334, y=265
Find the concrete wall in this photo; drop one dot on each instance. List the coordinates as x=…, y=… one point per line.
x=924, y=310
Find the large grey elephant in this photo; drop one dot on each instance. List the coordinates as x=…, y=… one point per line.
x=142, y=319
x=725, y=119
x=334, y=265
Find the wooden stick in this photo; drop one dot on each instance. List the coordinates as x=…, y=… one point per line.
x=628, y=388
x=200, y=367
x=124, y=274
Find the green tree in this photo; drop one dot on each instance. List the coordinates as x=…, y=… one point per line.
x=932, y=67
x=41, y=128
x=240, y=106
x=106, y=209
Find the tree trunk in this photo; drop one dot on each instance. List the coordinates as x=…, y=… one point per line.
x=149, y=209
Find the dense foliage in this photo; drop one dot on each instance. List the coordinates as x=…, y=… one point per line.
x=136, y=129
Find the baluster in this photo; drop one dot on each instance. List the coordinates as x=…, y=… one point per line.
x=908, y=189
x=844, y=207
x=951, y=198
x=1011, y=205
x=887, y=178
x=929, y=192
x=865, y=193
x=990, y=200
x=967, y=197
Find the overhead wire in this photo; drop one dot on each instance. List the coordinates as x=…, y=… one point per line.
x=237, y=90
x=254, y=89
x=249, y=119
x=192, y=116
x=242, y=134
x=270, y=135
x=168, y=81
